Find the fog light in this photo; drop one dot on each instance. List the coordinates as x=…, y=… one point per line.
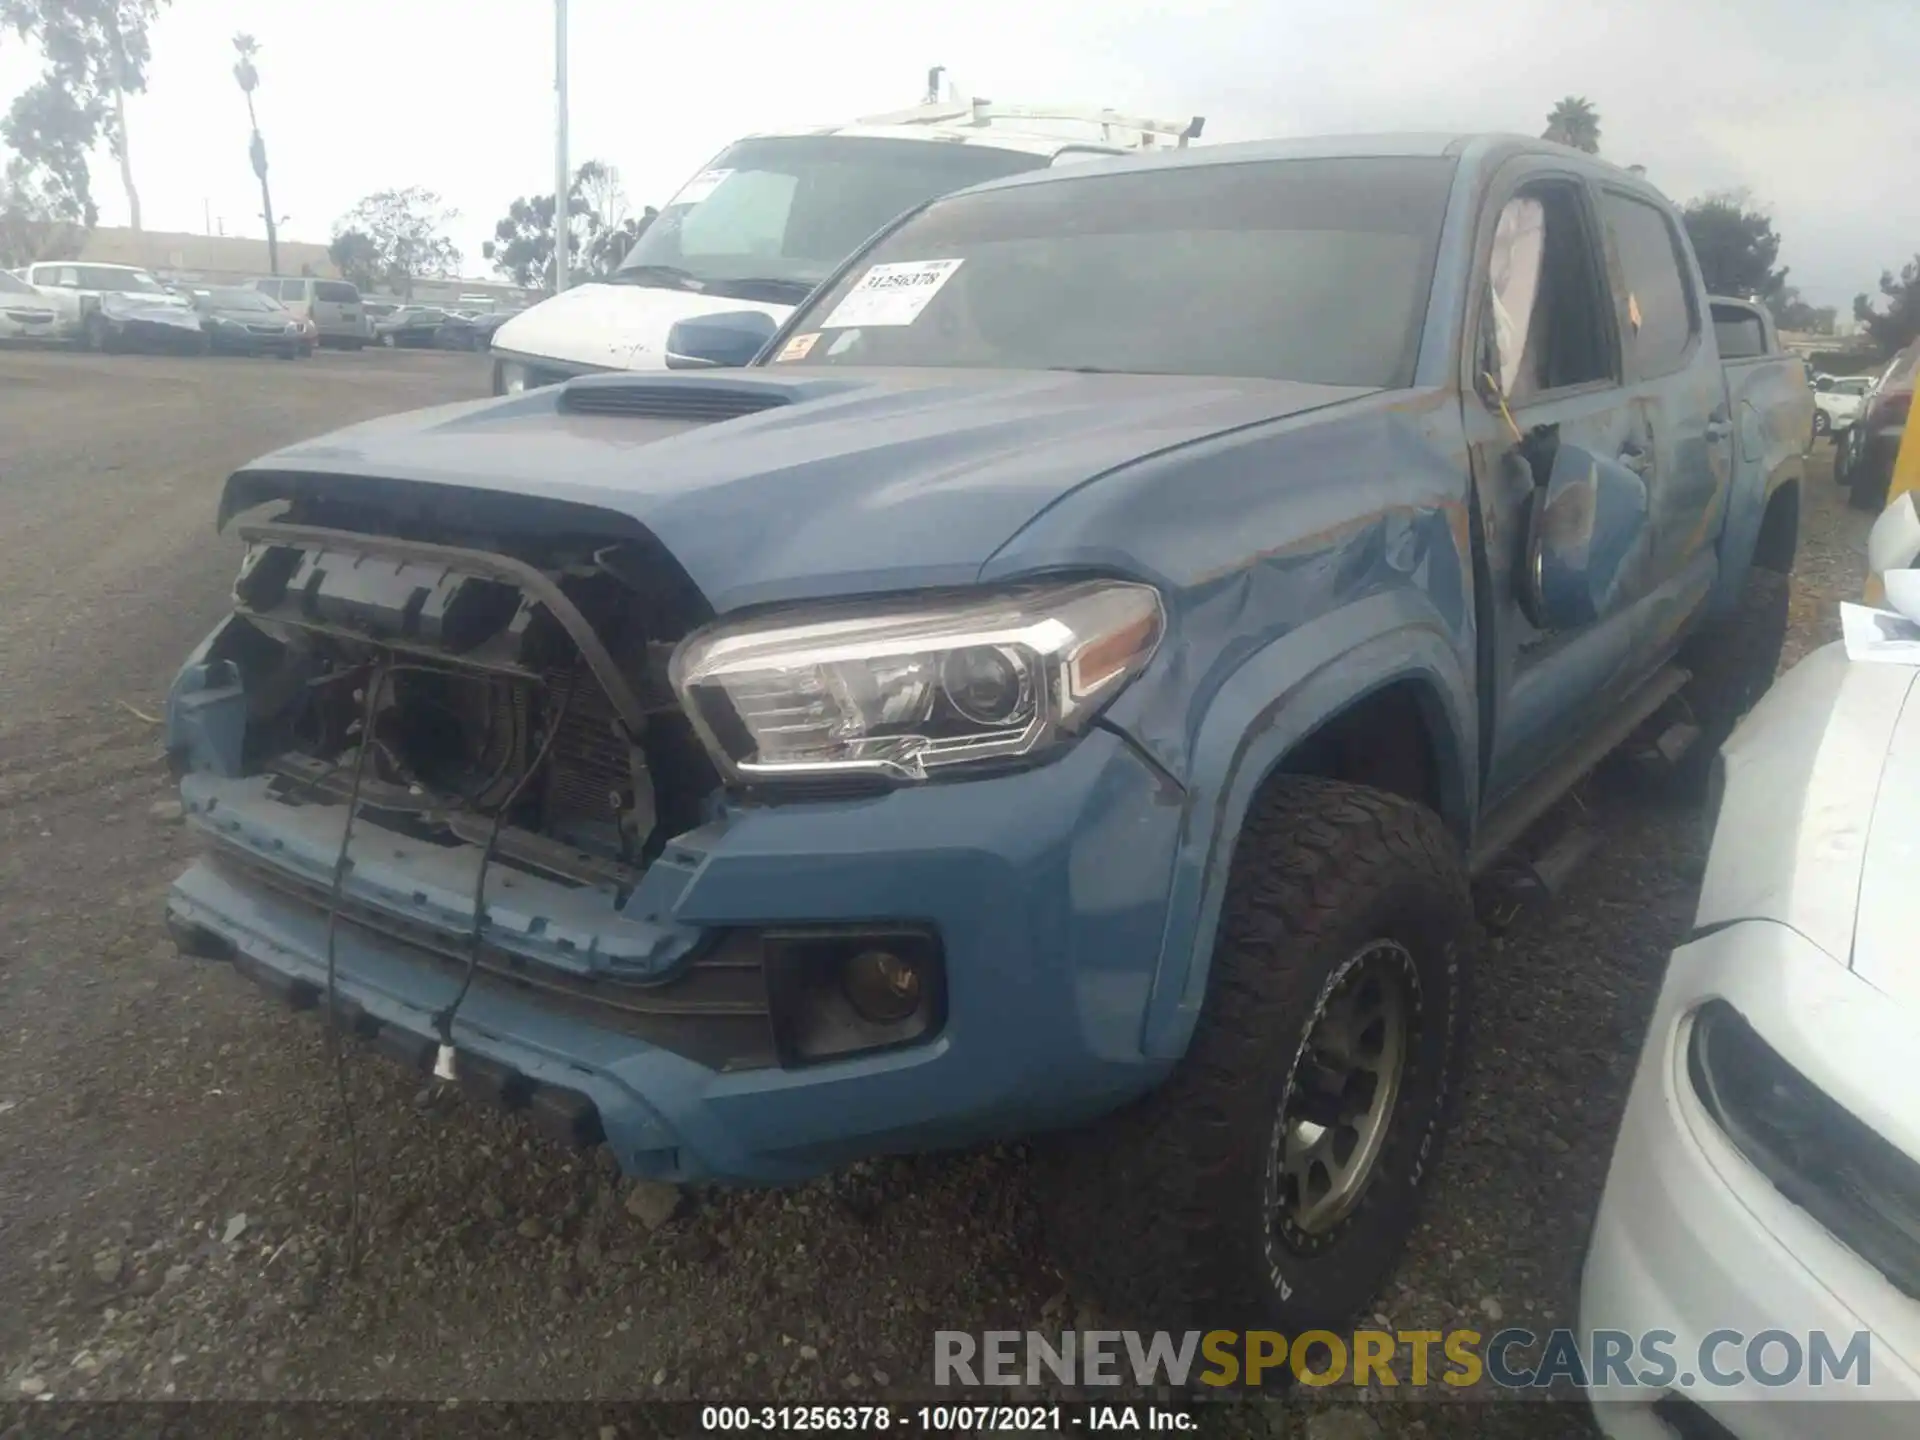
x=881, y=986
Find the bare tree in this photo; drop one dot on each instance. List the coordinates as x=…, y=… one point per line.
x=249, y=78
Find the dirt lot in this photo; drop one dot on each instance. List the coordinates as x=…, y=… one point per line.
x=171, y=1159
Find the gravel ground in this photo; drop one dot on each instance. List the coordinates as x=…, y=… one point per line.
x=171, y=1159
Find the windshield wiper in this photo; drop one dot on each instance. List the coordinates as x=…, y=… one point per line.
x=773, y=287
x=670, y=277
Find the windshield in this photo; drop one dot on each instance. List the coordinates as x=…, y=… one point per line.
x=240, y=300
x=770, y=219
x=132, y=282
x=1313, y=270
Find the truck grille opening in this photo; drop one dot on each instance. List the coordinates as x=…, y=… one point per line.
x=482, y=662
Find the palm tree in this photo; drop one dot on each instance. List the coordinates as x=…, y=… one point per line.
x=1575, y=122
x=248, y=78
x=118, y=138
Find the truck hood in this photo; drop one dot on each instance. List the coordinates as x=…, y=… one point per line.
x=1819, y=825
x=846, y=483
x=613, y=327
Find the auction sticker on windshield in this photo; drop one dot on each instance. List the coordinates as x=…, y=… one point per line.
x=798, y=346
x=700, y=187
x=891, y=294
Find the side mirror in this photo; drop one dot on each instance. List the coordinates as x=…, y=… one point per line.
x=706, y=342
x=1825, y=382
x=1894, y=542
x=1588, y=541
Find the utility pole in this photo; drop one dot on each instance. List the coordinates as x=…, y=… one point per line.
x=562, y=218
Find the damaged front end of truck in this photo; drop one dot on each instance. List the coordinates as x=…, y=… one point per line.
x=487, y=675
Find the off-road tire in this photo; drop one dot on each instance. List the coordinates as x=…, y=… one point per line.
x=1731, y=662
x=1158, y=1212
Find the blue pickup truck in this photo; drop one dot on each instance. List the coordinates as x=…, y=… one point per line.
x=1064, y=683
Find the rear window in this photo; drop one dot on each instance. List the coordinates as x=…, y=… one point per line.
x=1313, y=270
x=1739, y=334
x=1658, y=319
x=336, y=292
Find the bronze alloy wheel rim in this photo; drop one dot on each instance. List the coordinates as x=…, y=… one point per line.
x=1338, y=1103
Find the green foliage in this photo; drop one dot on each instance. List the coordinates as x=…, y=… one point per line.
x=1574, y=122
x=599, y=230
x=1736, y=244
x=396, y=237
x=1897, y=326
x=90, y=50
x=29, y=229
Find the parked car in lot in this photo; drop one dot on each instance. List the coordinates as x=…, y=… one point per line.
x=133, y=289
x=29, y=313
x=1067, y=680
x=470, y=332
x=1866, y=464
x=1766, y=1174
x=1837, y=402
x=248, y=322
x=410, y=326
x=333, y=306
x=138, y=323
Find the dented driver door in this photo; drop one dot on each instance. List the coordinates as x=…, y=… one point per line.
x=1562, y=458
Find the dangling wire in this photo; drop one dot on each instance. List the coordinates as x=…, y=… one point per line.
x=443, y=1021
x=375, y=685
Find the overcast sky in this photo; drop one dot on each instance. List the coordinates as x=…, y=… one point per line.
x=1815, y=109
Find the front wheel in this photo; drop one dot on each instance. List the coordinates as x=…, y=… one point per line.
x=1273, y=1180
x=388, y=341
x=99, y=334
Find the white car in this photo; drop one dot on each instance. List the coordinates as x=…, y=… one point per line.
x=1763, y=1204
x=85, y=285
x=28, y=313
x=1838, y=401
x=772, y=216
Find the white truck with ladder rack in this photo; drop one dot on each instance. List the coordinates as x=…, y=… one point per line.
x=772, y=215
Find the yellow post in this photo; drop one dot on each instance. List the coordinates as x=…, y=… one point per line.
x=1906, y=476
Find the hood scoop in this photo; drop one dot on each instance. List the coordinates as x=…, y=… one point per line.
x=652, y=400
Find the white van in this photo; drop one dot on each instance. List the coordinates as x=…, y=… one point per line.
x=332, y=305
x=771, y=216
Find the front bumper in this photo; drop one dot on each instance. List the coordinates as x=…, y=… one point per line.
x=1691, y=1238
x=1047, y=888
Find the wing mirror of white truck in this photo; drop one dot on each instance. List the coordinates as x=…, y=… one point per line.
x=1893, y=549
x=726, y=340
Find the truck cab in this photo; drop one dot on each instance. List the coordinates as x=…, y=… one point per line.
x=772, y=215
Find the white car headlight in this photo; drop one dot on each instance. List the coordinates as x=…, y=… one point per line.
x=906, y=689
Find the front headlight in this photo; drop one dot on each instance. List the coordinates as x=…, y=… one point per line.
x=1862, y=1190
x=906, y=689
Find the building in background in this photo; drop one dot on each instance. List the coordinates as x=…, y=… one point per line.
x=202, y=259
